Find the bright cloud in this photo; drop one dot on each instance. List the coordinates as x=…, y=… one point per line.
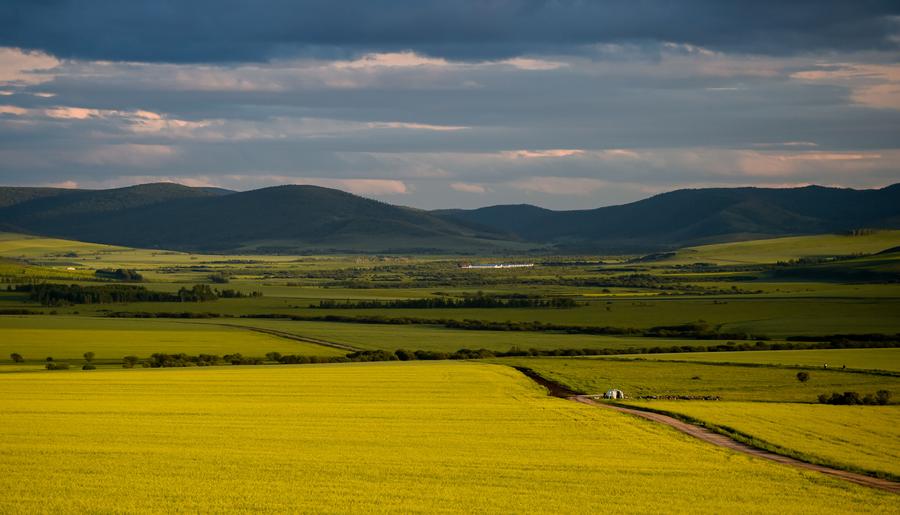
x=539, y=154
x=873, y=85
x=524, y=63
x=391, y=60
x=13, y=110
x=72, y=113
x=415, y=126
x=19, y=67
x=617, y=153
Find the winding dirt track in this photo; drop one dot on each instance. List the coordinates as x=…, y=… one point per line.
x=558, y=390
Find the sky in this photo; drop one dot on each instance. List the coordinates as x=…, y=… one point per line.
x=566, y=104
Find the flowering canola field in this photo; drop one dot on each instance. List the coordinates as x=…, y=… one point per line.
x=404, y=437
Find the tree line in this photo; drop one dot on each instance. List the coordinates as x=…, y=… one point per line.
x=50, y=294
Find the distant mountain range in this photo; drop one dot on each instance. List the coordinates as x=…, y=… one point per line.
x=297, y=219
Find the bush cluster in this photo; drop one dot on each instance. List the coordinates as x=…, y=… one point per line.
x=119, y=274
x=881, y=397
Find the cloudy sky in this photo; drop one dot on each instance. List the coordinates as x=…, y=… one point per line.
x=436, y=103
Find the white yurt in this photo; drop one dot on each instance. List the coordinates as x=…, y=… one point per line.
x=614, y=394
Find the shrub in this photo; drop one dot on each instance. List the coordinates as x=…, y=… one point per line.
x=273, y=356
x=120, y=274
x=803, y=376
x=218, y=278
x=52, y=365
x=852, y=398
x=89, y=366
x=882, y=397
x=404, y=355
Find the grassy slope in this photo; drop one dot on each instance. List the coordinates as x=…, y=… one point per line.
x=20, y=245
x=783, y=249
x=731, y=383
x=68, y=338
x=862, y=437
x=364, y=438
x=869, y=359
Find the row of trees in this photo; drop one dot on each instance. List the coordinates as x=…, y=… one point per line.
x=50, y=294
x=18, y=358
x=63, y=294
x=57, y=365
x=880, y=398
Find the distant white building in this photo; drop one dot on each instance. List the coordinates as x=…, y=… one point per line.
x=614, y=394
x=497, y=265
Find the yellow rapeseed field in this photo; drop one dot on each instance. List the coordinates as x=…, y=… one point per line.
x=405, y=437
x=865, y=437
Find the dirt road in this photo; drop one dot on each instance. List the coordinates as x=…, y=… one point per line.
x=558, y=390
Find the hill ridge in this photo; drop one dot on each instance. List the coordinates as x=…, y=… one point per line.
x=306, y=218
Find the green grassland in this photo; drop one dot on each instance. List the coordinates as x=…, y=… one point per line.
x=425, y=337
x=68, y=338
x=772, y=317
x=856, y=437
x=776, y=318
x=639, y=378
x=291, y=284
x=403, y=437
x=865, y=359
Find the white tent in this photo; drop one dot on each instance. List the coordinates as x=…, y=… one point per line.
x=614, y=394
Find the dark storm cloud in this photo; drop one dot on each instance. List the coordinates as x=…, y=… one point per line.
x=231, y=30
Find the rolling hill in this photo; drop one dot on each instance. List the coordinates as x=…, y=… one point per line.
x=278, y=219
x=696, y=216
x=291, y=219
